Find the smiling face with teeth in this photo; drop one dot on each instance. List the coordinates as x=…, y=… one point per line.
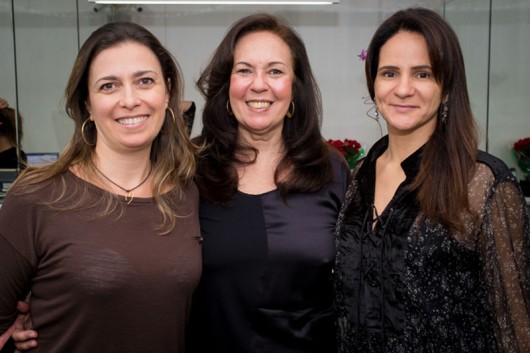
x=127, y=97
x=261, y=84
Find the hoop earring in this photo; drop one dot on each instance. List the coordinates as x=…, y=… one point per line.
x=228, y=108
x=172, y=115
x=290, y=112
x=83, y=133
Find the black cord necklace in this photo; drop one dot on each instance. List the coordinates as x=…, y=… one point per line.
x=129, y=196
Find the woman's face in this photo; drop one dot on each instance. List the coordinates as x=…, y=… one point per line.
x=261, y=83
x=127, y=97
x=406, y=92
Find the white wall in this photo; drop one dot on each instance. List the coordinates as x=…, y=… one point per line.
x=334, y=36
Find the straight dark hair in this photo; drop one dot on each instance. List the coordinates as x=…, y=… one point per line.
x=306, y=166
x=449, y=157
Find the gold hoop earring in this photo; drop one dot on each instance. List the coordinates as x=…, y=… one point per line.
x=172, y=115
x=228, y=108
x=83, y=133
x=290, y=112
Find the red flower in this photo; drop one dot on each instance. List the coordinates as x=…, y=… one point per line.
x=521, y=151
x=523, y=147
x=338, y=145
x=350, y=149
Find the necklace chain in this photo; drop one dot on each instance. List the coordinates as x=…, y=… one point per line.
x=129, y=196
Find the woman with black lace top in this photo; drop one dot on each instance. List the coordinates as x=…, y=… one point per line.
x=433, y=236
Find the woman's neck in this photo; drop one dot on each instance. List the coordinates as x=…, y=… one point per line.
x=258, y=177
x=116, y=172
x=400, y=147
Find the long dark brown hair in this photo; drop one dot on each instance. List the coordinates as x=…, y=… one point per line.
x=449, y=156
x=172, y=153
x=306, y=161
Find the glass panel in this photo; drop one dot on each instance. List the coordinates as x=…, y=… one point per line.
x=46, y=35
x=470, y=20
x=8, y=89
x=7, y=68
x=497, y=69
x=509, y=102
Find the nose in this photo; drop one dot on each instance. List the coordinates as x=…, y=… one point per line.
x=259, y=82
x=404, y=87
x=129, y=98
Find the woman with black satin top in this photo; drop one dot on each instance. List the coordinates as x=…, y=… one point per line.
x=433, y=238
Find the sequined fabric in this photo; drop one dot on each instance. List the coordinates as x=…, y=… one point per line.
x=408, y=285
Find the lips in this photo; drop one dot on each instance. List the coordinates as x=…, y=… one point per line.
x=133, y=120
x=259, y=104
x=403, y=108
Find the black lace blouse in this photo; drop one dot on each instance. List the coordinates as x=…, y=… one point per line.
x=408, y=285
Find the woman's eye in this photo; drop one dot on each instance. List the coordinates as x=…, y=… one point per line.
x=276, y=72
x=389, y=74
x=144, y=81
x=107, y=86
x=424, y=75
x=243, y=71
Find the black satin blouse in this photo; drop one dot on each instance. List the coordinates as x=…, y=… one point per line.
x=266, y=284
x=407, y=285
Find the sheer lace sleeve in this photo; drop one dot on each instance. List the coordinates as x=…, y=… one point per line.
x=505, y=247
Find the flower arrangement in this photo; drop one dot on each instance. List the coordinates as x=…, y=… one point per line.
x=350, y=149
x=521, y=151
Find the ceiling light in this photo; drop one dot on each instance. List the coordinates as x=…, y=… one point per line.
x=218, y=2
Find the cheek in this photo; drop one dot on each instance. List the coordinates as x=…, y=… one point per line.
x=434, y=98
x=101, y=107
x=237, y=88
x=159, y=100
x=379, y=91
x=285, y=89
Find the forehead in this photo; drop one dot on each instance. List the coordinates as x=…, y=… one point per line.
x=405, y=47
x=123, y=57
x=264, y=45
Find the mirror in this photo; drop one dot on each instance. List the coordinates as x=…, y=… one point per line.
x=41, y=45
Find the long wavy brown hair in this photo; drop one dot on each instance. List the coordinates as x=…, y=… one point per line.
x=306, y=166
x=172, y=153
x=450, y=154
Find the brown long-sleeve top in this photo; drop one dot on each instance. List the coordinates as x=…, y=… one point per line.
x=99, y=284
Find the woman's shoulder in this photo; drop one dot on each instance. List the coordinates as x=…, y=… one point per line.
x=27, y=197
x=341, y=169
x=497, y=167
x=183, y=197
x=191, y=192
x=29, y=181
x=491, y=177
x=337, y=159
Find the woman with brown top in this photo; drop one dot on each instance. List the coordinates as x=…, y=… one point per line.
x=107, y=236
